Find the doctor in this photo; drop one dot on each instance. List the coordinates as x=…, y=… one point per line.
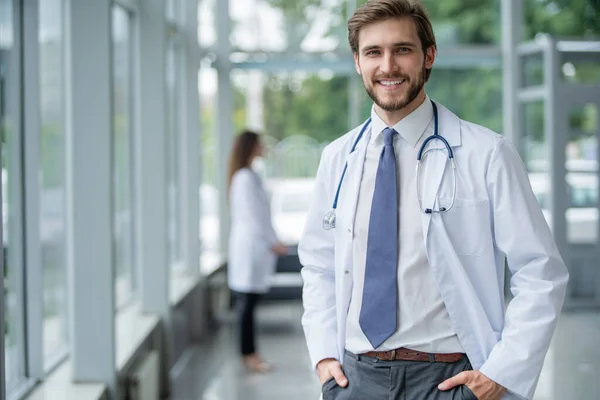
x=404, y=278
x=253, y=244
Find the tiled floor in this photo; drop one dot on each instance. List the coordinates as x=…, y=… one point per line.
x=213, y=372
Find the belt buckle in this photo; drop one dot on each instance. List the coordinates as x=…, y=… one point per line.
x=383, y=355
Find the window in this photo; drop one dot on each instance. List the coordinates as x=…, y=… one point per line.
x=464, y=22
x=173, y=10
x=12, y=180
x=583, y=189
x=209, y=195
x=122, y=154
x=174, y=201
x=561, y=18
x=53, y=184
x=295, y=103
x=206, y=23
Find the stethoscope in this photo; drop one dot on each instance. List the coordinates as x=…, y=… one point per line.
x=329, y=217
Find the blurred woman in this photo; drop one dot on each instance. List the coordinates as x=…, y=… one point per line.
x=253, y=244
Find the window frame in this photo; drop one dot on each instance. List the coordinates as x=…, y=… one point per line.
x=17, y=96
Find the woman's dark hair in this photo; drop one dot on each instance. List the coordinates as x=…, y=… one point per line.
x=244, y=147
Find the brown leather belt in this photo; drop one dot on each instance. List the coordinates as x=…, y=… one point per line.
x=413, y=355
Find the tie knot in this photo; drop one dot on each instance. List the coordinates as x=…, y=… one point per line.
x=388, y=136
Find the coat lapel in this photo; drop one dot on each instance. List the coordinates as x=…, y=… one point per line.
x=351, y=185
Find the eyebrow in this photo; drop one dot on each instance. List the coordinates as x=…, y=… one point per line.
x=397, y=44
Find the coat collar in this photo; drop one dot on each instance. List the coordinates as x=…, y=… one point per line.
x=448, y=127
x=410, y=128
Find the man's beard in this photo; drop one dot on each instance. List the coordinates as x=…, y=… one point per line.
x=413, y=91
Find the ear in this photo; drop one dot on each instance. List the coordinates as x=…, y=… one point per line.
x=356, y=64
x=430, y=57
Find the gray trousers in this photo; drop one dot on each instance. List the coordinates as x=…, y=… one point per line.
x=373, y=379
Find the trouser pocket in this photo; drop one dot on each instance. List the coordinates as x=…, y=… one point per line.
x=467, y=393
x=328, y=385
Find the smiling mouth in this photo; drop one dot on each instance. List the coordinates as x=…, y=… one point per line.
x=391, y=83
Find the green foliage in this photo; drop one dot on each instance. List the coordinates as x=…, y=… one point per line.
x=562, y=18
x=471, y=21
x=318, y=108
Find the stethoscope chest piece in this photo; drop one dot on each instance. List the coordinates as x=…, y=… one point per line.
x=329, y=220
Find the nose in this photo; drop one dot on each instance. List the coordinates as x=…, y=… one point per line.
x=387, y=63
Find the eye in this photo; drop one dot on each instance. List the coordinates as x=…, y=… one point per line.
x=371, y=53
x=403, y=49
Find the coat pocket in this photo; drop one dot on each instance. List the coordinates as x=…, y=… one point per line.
x=468, y=224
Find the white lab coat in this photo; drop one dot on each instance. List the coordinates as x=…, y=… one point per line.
x=495, y=214
x=251, y=262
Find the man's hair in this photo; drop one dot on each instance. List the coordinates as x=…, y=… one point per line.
x=381, y=10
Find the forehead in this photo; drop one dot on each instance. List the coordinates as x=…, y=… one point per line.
x=388, y=32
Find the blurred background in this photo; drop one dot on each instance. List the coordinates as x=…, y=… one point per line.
x=117, y=117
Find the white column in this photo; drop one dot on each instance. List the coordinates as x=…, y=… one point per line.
x=512, y=28
x=31, y=174
x=224, y=131
x=191, y=139
x=89, y=188
x=150, y=158
x=151, y=177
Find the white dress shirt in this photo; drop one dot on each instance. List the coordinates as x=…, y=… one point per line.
x=423, y=321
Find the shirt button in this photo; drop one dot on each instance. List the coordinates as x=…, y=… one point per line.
x=346, y=272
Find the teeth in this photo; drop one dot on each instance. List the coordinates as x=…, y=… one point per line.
x=390, y=83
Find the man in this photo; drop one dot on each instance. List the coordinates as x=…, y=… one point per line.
x=407, y=291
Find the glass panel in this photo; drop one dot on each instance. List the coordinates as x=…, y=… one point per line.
x=318, y=26
x=582, y=71
x=582, y=175
x=122, y=154
x=174, y=90
x=207, y=35
x=173, y=10
x=288, y=26
x=298, y=113
x=583, y=278
x=474, y=94
x=292, y=104
x=578, y=18
x=209, y=218
x=458, y=22
x=536, y=154
x=12, y=181
x=533, y=70
x=53, y=185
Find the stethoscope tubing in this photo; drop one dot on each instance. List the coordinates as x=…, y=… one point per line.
x=331, y=214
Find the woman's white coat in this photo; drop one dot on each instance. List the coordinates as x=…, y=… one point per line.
x=251, y=262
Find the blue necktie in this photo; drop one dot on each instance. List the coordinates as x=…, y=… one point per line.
x=379, y=312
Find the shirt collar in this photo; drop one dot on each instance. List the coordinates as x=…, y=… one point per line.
x=411, y=127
